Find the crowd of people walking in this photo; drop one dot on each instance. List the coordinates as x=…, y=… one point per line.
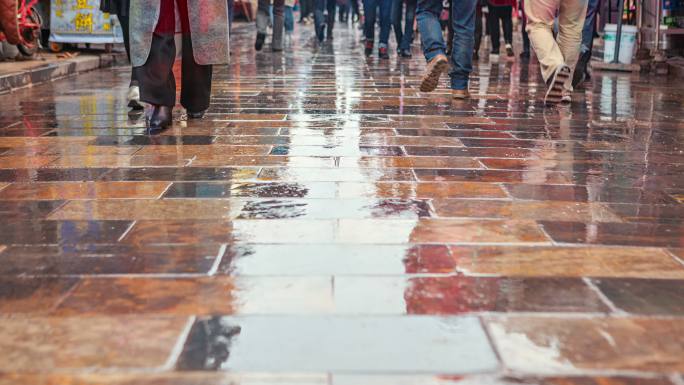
x=559, y=32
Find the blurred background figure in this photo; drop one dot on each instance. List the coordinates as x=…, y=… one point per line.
x=581, y=70
x=370, y=11
x=501, y=14
x=324, y=22
x=306, y=8
x=120, y=9
x=525, y=54
x=344, y=9
x=262, y=20
x=404, y=35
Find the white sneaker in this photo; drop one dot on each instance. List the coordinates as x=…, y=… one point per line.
x=566, y=98
x=134, y=98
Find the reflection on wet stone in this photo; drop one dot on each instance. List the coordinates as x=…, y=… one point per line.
x=208, y=345
x=327, y=223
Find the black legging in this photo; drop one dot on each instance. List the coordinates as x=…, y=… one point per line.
x=505, y=14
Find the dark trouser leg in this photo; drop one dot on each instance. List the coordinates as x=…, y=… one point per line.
x=463, y=16
x=370, y=11
x=494, y=33
x=397, y=8
x=506, y=15
x=332, y=6
x=319, y=12
x=157, y=83
x=408, y=24
x=450, y=29
x=195, y=80
x=478, y=27
x=278, y=24
x=525, y=36
x=231, y=11
x=355, y=8
x=385, y=21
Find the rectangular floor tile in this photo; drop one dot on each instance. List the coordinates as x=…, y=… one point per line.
x=20, y=161
x=628, y=234
x=101, y=343
x=421, y=190
x=477, y=231
x=63, y=232
x=32, y=295
x=108, y=259
x=83, y=190
x=567, y=261
x=457, y=295
x=360, y=345
x=547, y=210
x=251, y=190
x=34, y=209
x=588, y=194
x=179, y=174
x=330, y=259
x=557, y=345
x=645, y=296
x=200, y=296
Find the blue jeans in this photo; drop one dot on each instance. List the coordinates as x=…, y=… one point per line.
x=289, y=19
x=463, y=23
x=370, y=10
x=589, y=24
x=405, y=37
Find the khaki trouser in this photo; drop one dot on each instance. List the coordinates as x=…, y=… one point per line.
x=566, y=47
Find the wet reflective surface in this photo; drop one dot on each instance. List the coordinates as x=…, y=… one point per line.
x=326, y=223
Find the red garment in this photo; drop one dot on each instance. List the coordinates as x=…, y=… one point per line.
x=501, y=3
x=167, y=17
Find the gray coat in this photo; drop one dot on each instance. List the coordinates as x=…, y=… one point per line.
x=208, y=28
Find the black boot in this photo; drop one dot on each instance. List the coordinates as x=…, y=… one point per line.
x=579, y=75
x=369, y=48
x=160, y=119
x=196, y=115
x=260, y=39
x=330, y=25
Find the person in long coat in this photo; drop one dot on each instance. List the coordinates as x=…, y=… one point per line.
x=205, y=42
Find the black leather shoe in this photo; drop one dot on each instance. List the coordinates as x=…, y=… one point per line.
x=382, y=53
x=160, y=119
x=196, y=115
x=260, y=39
x=405, y=53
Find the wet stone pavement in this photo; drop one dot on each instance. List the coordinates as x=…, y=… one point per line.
x=329, y=224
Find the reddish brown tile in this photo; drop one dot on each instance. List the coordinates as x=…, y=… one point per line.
x=475, y=231
x=559, y=345
x=83, y=190
x=629, y=234
x=645, y=296
x=32, y=295
x=109, y=259
x=567, y=261
x=88, y=344
x=547, y=210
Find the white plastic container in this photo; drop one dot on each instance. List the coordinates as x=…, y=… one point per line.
x=627, y=43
